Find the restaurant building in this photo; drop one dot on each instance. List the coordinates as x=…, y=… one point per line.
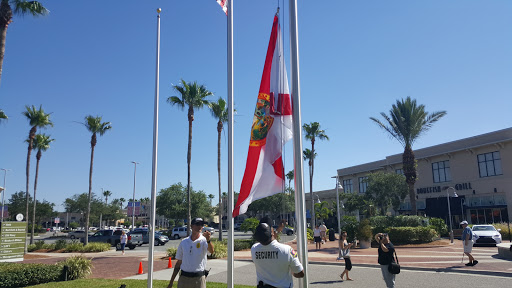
x=474, y=173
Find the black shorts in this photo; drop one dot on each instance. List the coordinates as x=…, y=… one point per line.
x=348, y=263
x=318, y=239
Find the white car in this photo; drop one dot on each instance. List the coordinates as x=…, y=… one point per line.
x=179, y=232
x=209, y=229
x=486, y=234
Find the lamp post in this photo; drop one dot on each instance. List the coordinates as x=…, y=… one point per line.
x=133, y=199
x=449, y=209
x=3, y=191
x=338, y=186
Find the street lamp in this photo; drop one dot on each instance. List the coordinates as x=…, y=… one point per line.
x=338, y=186
x=3, y=191
x=133, y=199
x=449, y=209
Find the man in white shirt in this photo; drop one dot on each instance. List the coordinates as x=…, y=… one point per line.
x=275, y=262
x=191, y=255
x=323, y=234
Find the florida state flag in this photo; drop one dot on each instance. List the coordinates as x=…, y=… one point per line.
x=271, y=129
x=224, y=5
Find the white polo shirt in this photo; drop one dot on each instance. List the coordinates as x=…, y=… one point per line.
x=274, y=263
x=193, y=254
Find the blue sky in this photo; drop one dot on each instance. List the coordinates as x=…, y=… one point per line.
x=356, y=59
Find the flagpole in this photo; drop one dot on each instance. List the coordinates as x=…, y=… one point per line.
x=155, y=157
x=230, y=235
x=302, y=247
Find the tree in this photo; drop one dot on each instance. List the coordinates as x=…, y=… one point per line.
x=386, y=189
x=309, y=156
x=17, y=205
x=210, y=198
x=313, y=132
x=122, y=200
x=275, y=205
x=219, y=111
x=193, y=96
x=107, y=194
x=41, y=143
x=2, y=115
x=290, y=176
x=21, y=7
x=79, y=203
x=171, y=203
x=406, y=122
x=322, y=212
x=95, y=126
x=36, y=119
x=356, y=201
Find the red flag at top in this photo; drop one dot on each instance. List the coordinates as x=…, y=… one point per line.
x=271, y=129
x=224, y=5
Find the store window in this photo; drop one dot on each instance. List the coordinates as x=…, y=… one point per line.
x=348, y=186
x=441, y=171
x=489, y=164
x=363, y=184
x=489, y=215
x=399, y=171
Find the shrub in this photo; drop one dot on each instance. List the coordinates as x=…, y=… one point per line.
x=410, y=235
x=242, y=244
x=171, y=252
x=96, y=247
x=505, y=233
x=39, y=244
x=249, y=224
x=22, y=274
x=349, y=224
x=74, y=246
x=310, y=234
x=439, y=225
x=60, y=244
x=221, y=250
x=78, y=267
x=31, y=248
x=364, y=230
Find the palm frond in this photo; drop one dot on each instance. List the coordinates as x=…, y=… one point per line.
x=35, y=8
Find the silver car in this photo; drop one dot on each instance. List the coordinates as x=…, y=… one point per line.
x=78, y=234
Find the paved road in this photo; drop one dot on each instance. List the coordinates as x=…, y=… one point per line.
x=328, y=276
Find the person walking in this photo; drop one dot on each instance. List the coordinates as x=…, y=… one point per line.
x=122, y=240
x=317, y=236
x=275, y=263
x=323, y=232
x=345, y=254
x=191, y=255
x=467, y=242
x=386, y=250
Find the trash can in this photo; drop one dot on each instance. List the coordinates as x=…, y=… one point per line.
x=331, y=235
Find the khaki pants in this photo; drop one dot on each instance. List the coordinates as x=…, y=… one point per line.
x=191, y=282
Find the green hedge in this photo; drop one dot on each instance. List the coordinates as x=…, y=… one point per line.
x=22, y=275
x=411, y=235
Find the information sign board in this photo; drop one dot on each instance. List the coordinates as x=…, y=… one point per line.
x=13, y=238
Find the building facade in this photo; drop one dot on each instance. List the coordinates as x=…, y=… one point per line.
x=473, y=174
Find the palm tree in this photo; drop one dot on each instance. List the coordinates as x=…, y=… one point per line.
x=95, y=126
x=107, y=194
x=406, y=122
x=122, y=200
x=313, y=132
x=21, y=7
x=193, y=96
x=210, y=197
x=2, y=115
x=41, y=143
x=290, y=176
x=309, y=157
x=36, y=119
x=219, y=111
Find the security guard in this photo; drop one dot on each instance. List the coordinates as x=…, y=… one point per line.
x=191, y=255
x=275, y=262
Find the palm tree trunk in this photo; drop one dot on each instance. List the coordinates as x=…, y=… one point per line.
x=189, y=157
x=31, y=136
x=409, y=164
x=312, y=166
x=5, y=19
x=219, y=130
x=93, y=143
x=38, y=157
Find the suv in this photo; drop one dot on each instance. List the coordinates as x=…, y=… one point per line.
x=179, y=232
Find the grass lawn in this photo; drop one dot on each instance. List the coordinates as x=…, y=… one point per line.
x=114, y=283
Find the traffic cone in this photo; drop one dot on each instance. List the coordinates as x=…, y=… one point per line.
x=140, y=268
x=170, y=263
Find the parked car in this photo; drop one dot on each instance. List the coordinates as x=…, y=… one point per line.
x=78, y=234
x=144, y=234
x=209, y=229
x=113, y=238
x=160, y=238
x=486, y=234
x=286, y=230
x=178, y=232
x=236, y=227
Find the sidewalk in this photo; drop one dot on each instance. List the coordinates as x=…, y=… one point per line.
x=447, y=258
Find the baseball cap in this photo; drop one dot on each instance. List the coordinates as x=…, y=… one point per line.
x=464, y=222
x=197, y=221
x=263, y=233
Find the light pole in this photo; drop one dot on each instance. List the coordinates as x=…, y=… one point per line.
x=449, y=209
x=338, y=186
x=3, y=191
x=133, y=199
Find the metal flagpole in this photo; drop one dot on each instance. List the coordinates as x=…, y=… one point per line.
x=297, y=145
x=3, y=192
x=151, y=231
x=229, y=219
